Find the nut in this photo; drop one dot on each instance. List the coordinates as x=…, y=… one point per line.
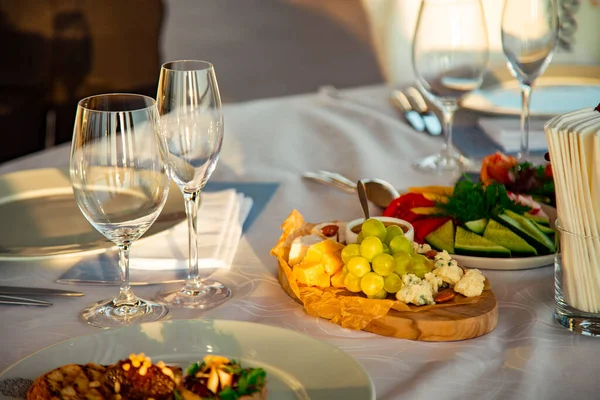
x=431, y=254
x=444, y=296
x=330, y=230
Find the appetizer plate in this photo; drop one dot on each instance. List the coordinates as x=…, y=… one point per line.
x=508, y=264
x=297, y=366
x=34, y=206
x=561, y=89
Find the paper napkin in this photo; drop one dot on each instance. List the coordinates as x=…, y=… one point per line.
x=220, y=219
x=506, y=133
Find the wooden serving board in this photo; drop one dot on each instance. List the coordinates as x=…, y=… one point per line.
x=442, y=324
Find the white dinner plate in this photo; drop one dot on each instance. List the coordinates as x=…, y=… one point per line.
x=513, y=263
x=558, y=91
x=297, y=366
x=40, y=218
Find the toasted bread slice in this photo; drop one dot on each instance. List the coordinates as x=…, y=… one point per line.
x=70, y=382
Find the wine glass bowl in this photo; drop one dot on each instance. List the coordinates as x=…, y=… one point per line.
x=119, y=176
x=449, y=58
x=189, y=104
x=529, y=37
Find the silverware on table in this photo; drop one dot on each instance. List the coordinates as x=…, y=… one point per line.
x=33, y=291
x=379, y=192
x=432, y=123
x=22, y=301
x=401, y=102
x=103, y=282
x=362, y=196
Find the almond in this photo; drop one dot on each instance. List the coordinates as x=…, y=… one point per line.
x=444, y=296
x=330, y=230
x=431, y=254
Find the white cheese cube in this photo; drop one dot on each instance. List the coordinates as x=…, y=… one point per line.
x=300, y=246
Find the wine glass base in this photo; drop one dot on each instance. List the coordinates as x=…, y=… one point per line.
x=209, y=295
x=442, y=163
x=106, y=314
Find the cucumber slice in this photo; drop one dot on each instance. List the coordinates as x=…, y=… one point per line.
x=471, y=244
x=527, y=229
x=477, y=226
x=442, y=238
x=546, y=229
x=538, y=218
x=503, y=236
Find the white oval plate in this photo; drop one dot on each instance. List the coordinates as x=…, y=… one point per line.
x=514, y=263
x=297, y=366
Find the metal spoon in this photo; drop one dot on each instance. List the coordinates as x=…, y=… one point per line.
x=362, y=196
x=379, y=192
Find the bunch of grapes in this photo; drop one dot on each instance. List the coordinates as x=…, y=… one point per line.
x=377, y=262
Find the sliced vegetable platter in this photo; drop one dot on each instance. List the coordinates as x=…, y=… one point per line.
x=481, y=224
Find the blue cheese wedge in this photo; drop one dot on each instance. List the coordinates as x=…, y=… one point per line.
x=434, y=281
x=471, y=284
x=300, y=246
x=447, y=268
x=415, y=291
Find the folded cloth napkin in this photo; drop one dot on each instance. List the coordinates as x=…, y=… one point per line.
x=220, y=219
x=506, y=133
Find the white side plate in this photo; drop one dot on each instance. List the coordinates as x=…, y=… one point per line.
x=565, y=89
x=40, y=218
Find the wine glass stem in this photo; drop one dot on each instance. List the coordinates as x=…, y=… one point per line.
x=526, y=101
x=192, y=201
x=448, y=120
x=126, y=296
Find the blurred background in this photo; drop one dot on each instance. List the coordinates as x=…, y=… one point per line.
x=56, y=52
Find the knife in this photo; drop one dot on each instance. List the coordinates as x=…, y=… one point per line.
x=432, y=123
x=401, y=102
x=21, y=301
x=32, y=291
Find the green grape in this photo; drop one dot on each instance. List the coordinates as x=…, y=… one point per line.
x=374, y=227
x=392, y=283
x=384, y=264
x=421, y=265
x=359, y=238
x=352, y=283
x=380, y=295
x=391, y=232
x=401, y=243
x=345, y=269
x=370, y=247
x=371, y=284
x=403, y=262
x=386, y=249
x=351, y=250
x=358, y=266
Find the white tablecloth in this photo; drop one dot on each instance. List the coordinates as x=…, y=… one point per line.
x=527, y=356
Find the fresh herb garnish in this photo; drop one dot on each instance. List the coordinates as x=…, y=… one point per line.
x=195, y=368
x=249, y=381
x=473, y=200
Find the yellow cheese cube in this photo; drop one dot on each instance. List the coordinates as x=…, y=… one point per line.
x=332, y=262
x=323, y=280
x=308, y=272
x=337, y=280
x=328, y=246
x=312, y=255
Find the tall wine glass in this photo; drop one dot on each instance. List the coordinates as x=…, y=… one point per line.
x=120, y=180
x=449, y=58
x=529, y=38
x=189, y=104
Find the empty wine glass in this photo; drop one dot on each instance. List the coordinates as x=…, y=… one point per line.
x=449, y=58
x=529, y=37
x=189, y=103
x=120, y=180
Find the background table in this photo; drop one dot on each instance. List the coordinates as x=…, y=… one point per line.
x=527, y=356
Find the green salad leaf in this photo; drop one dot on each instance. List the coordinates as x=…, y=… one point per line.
x=473, y=200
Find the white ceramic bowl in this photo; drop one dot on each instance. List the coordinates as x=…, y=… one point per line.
x=406, y=226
